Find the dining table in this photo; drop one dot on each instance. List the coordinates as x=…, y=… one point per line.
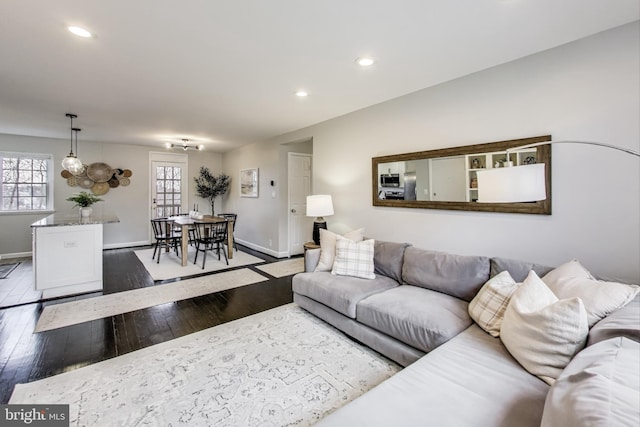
x=185, y=222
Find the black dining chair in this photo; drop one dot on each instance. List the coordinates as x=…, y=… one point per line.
x=165, y=236
x=190, y=230
x=209, y=236
x=231, y=217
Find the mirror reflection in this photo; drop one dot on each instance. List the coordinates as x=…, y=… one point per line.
x=446, y=179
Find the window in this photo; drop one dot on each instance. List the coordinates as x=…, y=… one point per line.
x=26, y=182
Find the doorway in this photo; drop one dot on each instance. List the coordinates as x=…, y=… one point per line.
x=299, y=172
x=168, y=192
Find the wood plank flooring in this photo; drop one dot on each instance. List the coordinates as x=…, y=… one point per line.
x=25, y=356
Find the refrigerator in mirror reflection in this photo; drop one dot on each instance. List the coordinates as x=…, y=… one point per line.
x=410, y=186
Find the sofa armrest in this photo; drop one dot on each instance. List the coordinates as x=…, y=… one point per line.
x=311, y=259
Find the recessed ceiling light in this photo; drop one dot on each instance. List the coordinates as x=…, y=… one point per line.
x=365, y=61
x=302, y=93
x=80, y=32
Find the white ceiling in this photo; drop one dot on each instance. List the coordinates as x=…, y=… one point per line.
x=224, y=72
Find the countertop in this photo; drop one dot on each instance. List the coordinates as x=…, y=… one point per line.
x=60, y=219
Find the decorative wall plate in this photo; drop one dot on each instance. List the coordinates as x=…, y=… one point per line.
x=99, y=172
x=85, y=182
x=100, y=188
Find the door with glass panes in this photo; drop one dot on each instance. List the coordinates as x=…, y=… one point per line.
x=169, y=189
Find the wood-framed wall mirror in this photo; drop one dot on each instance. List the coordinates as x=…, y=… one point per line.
x=446, y=178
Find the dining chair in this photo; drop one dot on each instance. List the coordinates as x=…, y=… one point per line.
x=163, y=230
x=207, y=235
x=190, y=230
x=234, y=217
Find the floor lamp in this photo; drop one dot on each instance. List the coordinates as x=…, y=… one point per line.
x=526, y=183
x=319, y=206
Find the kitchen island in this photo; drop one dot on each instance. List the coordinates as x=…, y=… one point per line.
x=67, y=253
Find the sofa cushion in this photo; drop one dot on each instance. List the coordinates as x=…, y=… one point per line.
x=488, y=306
x=624, y=322
x=340, y=293
x=418, y=317
x=388, y=258
x=518, y=269
x=469, y=381
x=457, y=275
x=600, y=298
x=542, y=332
x=353, y=259
x=600, y=387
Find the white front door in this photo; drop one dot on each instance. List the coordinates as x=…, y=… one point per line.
x=300, y=226
x=168, y=182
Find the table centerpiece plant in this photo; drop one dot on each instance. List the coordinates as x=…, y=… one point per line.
x=84, y=200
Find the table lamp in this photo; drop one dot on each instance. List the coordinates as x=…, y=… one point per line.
x=319, y=206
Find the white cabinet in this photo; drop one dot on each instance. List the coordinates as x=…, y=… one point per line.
x=67, y=259
x=67, y=253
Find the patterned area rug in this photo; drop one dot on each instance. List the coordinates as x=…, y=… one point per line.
x=170, y=266
x=6, y=269
x=284, y=268
x=71, y=313
x=279, y=367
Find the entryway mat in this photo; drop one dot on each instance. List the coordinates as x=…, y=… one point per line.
x=6, y=269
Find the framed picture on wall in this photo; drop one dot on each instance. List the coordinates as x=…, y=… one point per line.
x=249, y=182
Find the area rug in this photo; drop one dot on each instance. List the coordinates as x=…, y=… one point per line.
x=284, y=268
x=6, y=269
x=279, y=367
x=70, y=313
x=170, y=265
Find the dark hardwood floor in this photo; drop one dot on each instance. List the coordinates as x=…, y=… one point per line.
x=25, y=356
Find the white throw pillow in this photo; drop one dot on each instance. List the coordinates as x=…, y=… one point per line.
x=328, y=246
x=600, y=298
x=541, y=332
x=354, y=259
x=488, y=306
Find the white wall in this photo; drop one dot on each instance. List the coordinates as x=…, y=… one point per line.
x=262, y=221
x=130, y=204
x=586, y=90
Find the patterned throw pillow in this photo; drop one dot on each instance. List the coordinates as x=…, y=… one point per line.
x=354, y=259
x=328, y=246
x=488, y=306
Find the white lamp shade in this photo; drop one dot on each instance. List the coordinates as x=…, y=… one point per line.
x=319, y=205
x=515, y=184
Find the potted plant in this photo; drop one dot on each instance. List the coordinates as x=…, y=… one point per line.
x=209, y=186
x=84, y=200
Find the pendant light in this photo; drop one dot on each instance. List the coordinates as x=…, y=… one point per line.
x=71, y=162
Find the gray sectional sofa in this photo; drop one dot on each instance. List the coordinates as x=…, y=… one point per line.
x=415, y=312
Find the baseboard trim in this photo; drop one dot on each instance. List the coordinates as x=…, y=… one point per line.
x=264, y=250
x=16, y=255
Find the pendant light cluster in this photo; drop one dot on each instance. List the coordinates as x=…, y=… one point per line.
x=72, y=163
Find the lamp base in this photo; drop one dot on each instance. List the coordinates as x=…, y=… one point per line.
x=317, y=225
